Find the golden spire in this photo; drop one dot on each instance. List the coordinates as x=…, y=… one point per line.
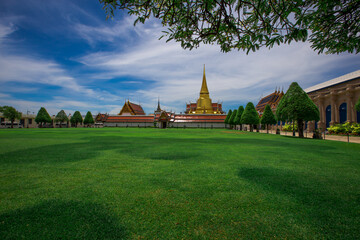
x=204, y=105
x=204, y=89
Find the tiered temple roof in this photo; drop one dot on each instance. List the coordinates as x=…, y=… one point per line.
x=272, y=99
x=130, y=108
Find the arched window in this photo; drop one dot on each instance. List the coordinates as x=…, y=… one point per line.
x=328, y=116
x=343, y=113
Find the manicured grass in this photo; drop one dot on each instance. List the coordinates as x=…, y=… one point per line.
x=118, y=183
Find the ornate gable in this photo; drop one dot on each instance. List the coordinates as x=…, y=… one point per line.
x=130, y=108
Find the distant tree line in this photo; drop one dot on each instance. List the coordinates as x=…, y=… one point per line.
x=295, y=106
x=42, y=118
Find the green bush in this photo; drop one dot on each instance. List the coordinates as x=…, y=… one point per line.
x=352, y=128
x=289, y=127
x=355, y=129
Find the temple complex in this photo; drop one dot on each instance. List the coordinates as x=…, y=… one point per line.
x=204, y=104
x=203, y=114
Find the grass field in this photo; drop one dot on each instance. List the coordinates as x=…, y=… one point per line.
x=115, y=183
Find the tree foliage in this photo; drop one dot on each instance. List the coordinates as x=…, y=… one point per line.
x=237, y=119
x=268, y=117
x=89, y=118
x=250, y=116
x=331, y=26
x=42, y=117
x=76, y=118
x=61, y=117
x=232, y=118
x=228, y=117
x=10, y=113
x=296, y=105
x=357, y=106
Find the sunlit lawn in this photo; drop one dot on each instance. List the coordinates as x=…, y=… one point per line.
x=117, y=183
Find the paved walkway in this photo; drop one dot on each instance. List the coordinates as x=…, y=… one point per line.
x=352, y=139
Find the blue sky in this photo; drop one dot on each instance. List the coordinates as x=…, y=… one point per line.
x=66, y=55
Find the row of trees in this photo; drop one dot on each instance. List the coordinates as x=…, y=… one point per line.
x=294, y=106
x=250, y=116
x=43, y=117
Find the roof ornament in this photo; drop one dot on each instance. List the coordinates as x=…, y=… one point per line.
x=158, y=107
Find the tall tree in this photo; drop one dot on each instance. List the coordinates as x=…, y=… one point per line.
x=226, y=121
x=250, y=116
x=268, y=117
x=89, y=118
x=232, y=118
x=76, y=118
x=42, y=117
x=237, y=119
x=61, y=117
x=357, y=106
x=10, y=113
x=296, y=105
x=334, y=26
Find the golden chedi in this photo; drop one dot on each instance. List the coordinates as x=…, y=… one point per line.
x=204, y=104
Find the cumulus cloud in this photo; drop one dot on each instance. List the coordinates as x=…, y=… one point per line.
x=142, y=68
x=176, y=74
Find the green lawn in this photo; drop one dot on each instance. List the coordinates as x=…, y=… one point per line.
x=117, y=183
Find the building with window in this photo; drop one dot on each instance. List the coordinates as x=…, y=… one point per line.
x=26, y=121
x=336, y=100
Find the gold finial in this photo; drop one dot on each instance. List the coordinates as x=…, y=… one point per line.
x=204, y=88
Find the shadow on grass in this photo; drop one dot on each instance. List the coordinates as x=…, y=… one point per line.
x=331, y=211
x=154, y=148
x=61, y=220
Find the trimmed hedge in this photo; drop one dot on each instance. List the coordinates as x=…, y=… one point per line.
x=351, y=128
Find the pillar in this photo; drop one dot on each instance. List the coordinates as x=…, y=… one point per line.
x=334, y=109
x=351, y=103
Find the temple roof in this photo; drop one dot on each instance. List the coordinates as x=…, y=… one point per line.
x=271, y=99
x=158, y=106
x=132, y=108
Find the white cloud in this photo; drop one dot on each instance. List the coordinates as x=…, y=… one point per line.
x=58, y=103
x=5, y=31
x=231, y=77
x=101, y=33
x=165, y=69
